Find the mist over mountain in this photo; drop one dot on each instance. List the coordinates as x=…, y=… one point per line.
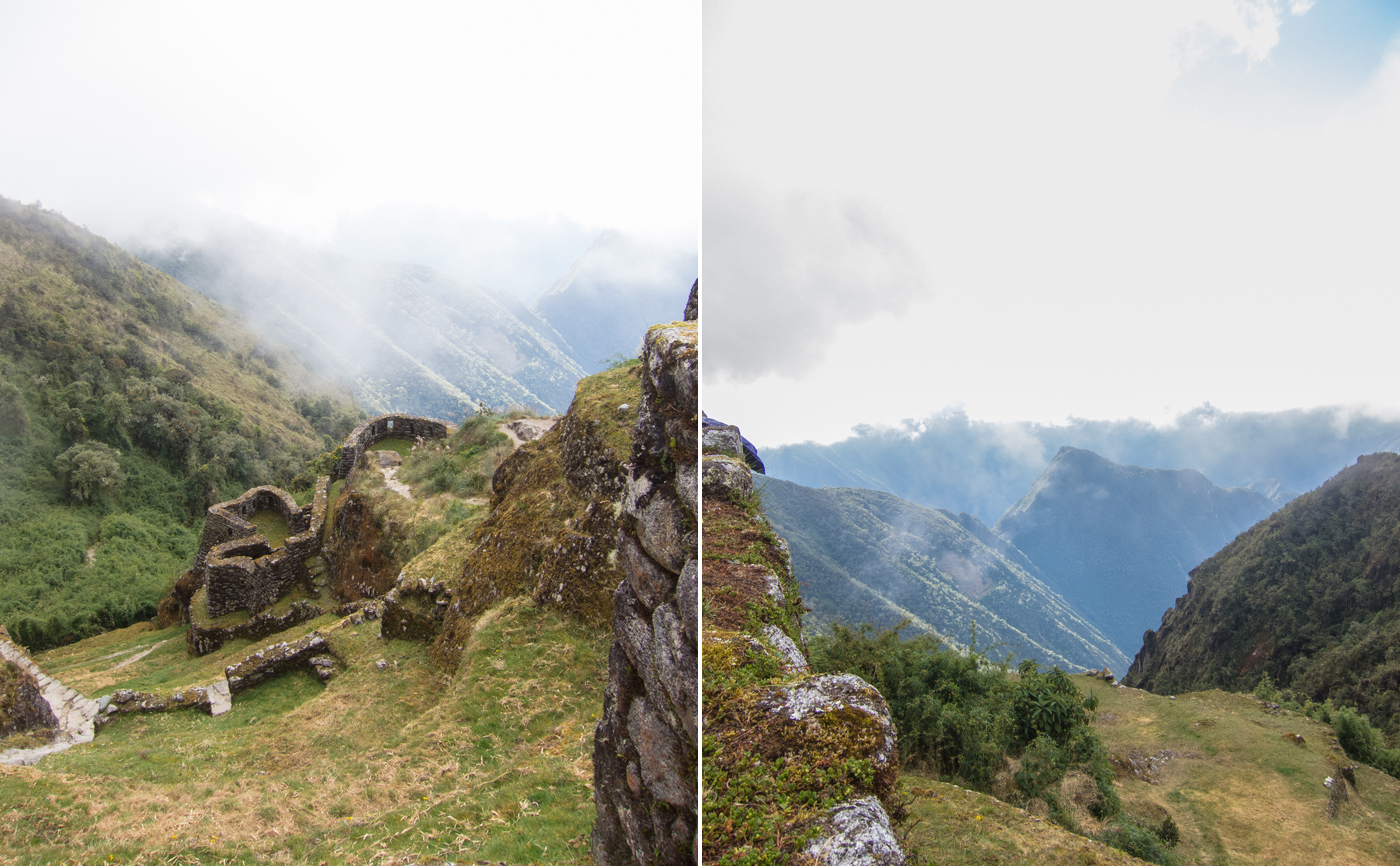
x=404, y=337
x=951, y=461
x=867, y=556
x=1118, y=541
x=521, y=257
x=617, y=289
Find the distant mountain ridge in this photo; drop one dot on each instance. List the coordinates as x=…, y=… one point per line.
x=948, y=460
x=613, y=292
x=868, y=556
x=1117, y=541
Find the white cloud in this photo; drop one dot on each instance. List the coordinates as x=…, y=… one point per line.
x=293, y=114
x=1101, y=246
x=793, y=269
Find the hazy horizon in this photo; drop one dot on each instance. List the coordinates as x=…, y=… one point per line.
x=1036, y=214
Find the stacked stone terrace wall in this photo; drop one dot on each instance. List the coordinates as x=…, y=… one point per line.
x=240, y=570
x=646, y=744
x=375, y=429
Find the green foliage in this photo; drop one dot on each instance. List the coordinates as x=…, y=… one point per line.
x=1265, y=690
x=464, y=462
x=124, y=414
x=618, y=361
x=1148, y=843
x=1168, y=832
x=962, y=716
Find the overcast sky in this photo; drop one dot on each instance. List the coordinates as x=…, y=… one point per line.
x=297, y=114
x=1036, y=210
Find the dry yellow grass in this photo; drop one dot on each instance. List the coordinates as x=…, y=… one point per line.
x=1239, y=790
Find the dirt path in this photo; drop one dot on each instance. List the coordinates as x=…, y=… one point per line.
x=389, y=464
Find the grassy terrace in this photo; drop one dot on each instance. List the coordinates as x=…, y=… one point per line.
x=380, y=766
x=272, y=525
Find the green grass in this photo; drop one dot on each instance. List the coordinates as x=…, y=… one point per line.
x=399, y=446
x=1239, y=791
x=272, y=525
x=491, y=764
x=953, y=826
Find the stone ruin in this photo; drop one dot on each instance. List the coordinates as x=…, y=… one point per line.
x=239, y=567
x=377, y=429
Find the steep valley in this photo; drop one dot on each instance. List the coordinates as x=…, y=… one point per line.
x=1117, y=541
x=868, y=557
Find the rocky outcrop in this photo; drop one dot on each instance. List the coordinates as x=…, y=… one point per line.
x=358, y=554
x=556, y=503
x=786, y=750
x=646, y=744
x=22, y=706
x=692, y=304
x=857, y=833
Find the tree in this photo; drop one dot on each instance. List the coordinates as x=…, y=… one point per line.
x=89, y=467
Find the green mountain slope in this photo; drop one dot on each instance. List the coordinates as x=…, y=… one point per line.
x=1117, y=541
x=128, y=404
x=866, y=556
x=1307, y=596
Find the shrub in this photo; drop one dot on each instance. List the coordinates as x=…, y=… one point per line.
x=1144, y=843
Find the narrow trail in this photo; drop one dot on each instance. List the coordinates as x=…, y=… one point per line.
x=75, y=713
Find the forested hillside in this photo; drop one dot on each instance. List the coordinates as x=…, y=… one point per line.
x=1306, y=597
x=128, y=404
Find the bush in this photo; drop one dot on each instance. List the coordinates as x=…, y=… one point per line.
x=963, y=717
x=1356, y=736
x=1144, y=843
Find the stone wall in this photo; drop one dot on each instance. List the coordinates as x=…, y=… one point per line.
x=646, y=745
x=235, y=564
x=375, y=429
x=73, y=714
